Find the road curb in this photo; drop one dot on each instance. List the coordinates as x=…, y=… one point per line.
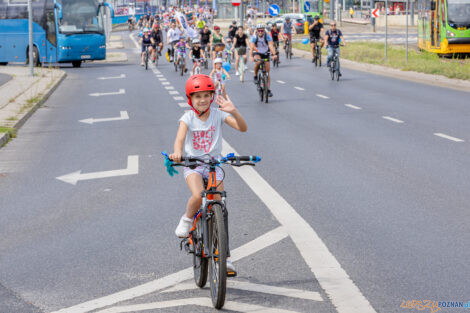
x=6, y=136
x=428, y=79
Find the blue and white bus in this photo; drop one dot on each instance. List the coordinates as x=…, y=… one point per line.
x=63, y=31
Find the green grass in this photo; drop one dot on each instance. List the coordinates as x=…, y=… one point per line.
x=8, y=130
x=418, y=61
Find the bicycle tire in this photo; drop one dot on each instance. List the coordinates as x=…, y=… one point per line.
x=266, y=89
x=332, y=70
x=182, y=67
x=337, y=73
x=175, y=62
x=260, y=86
x=146, y=60
x=200, y=263
x=218, y=247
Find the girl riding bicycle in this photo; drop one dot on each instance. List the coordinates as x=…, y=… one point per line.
x=200, y=134
x=220, y=75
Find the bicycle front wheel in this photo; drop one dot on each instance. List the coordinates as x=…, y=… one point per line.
x=218, y=259
x=200, y=263
x=266, y=89
x=241, y=70
x=332, y=70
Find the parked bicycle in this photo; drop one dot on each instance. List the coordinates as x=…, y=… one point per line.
x=208, y=237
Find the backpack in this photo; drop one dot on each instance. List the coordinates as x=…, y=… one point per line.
x=265, y=40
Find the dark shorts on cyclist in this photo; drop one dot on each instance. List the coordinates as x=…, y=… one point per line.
x=314, y=39
x=263, y=55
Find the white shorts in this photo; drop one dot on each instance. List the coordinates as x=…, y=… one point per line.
x=203, y=171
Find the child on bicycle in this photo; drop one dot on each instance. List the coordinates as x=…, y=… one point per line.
x=196, y=54
x=200, y=134
x=180, y=47
x=219, y=75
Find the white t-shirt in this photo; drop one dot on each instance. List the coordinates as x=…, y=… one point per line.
x=204, y=138
x=174, y=34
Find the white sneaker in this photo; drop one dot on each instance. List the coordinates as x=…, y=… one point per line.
x=184, y=226
x=237, y=74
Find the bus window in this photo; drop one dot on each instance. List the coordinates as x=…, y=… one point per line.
x=81, y=16
x=50, y=28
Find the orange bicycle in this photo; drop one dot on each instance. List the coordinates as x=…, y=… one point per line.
x=208, y=238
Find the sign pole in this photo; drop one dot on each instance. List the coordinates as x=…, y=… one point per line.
x=30, y=25
x=407, y=10
x=386, y=28
x=242, y=11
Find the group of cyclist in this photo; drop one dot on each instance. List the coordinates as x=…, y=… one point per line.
x=241, y=43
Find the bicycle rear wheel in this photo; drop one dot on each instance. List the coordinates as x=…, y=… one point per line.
x=200, y=263
x=218, y=259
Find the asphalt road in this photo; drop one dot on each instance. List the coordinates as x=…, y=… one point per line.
x=358, y=160
x=4, y=78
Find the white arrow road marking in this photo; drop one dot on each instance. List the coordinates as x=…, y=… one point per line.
x=115, y=77
x=205, y=302
x=449, y=137
x=339, y=287
x=392, y=119
x=235, y=284
x=124, y=116
x=264, y=241
x=132, y=169
x=99, y=94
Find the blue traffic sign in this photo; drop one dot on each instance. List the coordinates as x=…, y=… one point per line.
x=274, y=10
x=307, y=6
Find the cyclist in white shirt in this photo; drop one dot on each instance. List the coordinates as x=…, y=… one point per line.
x=173, y=37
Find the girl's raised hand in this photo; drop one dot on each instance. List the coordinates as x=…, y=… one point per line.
x=225, y=104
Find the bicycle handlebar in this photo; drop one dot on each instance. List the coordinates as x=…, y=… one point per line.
x=193, y=162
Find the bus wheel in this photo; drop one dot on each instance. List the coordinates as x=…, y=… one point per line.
x=35, y=56
x=3, y=63
x=76, y=63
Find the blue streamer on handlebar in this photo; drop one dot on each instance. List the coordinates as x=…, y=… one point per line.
x=170, y=169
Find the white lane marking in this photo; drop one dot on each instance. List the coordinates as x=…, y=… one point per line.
x=353, y=107
x=135, y=42
x=183, y=104
x=173, y=92
x=169, y=87
x=113, y=77
x=162, y=79
x=132, y=169
x=124, y=116
x=299, y=88
x=242, y=285
x=252, y=71
x=159, y=75
x=263, y=241
x=393, y=119
x=204, y=302
x=99, y=94
x=344, y=294
x=280, y=82
x=322, y=96
x=449, y=137
x=165, y=83
x=178, y=98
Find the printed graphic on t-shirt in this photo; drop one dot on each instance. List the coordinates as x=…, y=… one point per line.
x=202, y=140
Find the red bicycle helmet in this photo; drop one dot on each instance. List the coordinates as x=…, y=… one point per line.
x=196, y=83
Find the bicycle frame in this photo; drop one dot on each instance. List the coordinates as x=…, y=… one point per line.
x=208, y=198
